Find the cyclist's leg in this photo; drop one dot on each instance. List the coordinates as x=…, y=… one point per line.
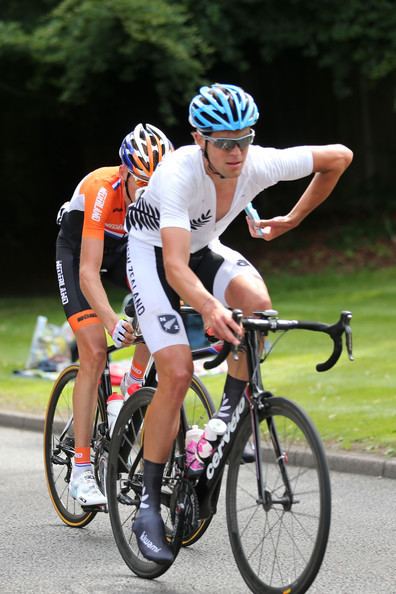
x=162, y=327
x=133, y=379
x=124, y=486
x=116, y=272
x=248, y=293
x=174, y=369
x=91, y=345
x=237, y=284
x=161, y=427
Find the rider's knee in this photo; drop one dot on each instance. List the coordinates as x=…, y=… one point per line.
x=176, y=371
x=93, y=357
x=260, y=303
x=249, y=294
x=177, y=376
x=255, y=301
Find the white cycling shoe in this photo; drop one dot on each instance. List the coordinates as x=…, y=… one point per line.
x=86, y=491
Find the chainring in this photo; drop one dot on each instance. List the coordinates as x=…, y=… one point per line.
x=184, y=493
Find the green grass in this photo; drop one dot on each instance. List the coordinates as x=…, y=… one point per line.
x=353, y=404
x=17, y=322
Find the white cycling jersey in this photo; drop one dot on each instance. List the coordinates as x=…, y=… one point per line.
x=181, y=194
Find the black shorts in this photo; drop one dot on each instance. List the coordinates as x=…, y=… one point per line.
x=77, y=309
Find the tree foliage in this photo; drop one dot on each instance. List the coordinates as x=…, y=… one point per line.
x=77, y=45
x=343, y=36
x=75, y=74
x=80, y=45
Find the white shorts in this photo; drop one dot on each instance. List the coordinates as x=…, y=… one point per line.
x=157, y=304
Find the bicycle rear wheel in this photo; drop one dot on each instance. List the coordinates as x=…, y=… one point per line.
x=279, y=540
x=198, y=404
x=59, y=448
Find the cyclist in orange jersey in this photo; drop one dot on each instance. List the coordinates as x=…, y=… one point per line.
x=92, y=242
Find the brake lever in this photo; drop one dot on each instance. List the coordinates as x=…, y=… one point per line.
x=348, y=337
x=335, y=333
x=227, y=346
x=237, y=317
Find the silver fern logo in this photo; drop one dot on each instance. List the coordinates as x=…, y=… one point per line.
x=169, y=323
x=200, y=221
x=142, y=215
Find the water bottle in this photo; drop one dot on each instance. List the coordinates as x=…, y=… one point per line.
x=206, y=445
x=193, y=465
x=114, y=405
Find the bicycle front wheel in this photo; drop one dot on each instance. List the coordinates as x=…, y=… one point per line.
x=59, y=448
x=279, y=536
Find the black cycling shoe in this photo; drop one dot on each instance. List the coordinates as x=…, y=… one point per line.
x=149, y=530
x=249, y=453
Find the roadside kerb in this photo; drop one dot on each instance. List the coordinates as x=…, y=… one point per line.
x=338, y=462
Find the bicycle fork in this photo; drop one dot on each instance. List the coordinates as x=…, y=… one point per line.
x=265, y=496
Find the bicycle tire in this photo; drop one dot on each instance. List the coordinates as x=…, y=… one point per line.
x=59, y=448
x=125, y=449
x=282, y=551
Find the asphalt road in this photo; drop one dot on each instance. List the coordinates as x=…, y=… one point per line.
x=39, y=554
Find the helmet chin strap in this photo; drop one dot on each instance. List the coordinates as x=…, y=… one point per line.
x=210, y=166
x=126, y=187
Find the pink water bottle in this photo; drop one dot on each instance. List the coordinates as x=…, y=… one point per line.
x=193, y=466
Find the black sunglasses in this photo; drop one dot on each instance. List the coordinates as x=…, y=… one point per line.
x=227, y=144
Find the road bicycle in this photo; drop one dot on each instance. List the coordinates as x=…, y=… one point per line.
x=278, y=508
x=59, y=430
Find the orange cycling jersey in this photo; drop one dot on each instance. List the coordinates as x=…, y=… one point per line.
x=96, y=209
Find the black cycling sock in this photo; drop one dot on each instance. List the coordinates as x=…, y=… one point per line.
x=152, y=479
x=148, y=525
x=233, y=390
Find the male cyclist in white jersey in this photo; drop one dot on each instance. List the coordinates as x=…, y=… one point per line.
x=173, y=253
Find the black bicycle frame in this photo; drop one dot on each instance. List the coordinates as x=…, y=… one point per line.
x=208, y=487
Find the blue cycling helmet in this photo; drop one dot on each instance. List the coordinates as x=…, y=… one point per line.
x=222, y=107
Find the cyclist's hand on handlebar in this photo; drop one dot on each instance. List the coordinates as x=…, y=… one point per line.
x=218, y=321
x=122, y=334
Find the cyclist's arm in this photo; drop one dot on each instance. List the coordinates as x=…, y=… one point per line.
x=176, y=254
x=329, y=163
x=98, y=198
x=90, y=281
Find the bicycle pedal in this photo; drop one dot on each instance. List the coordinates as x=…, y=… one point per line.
x=96, y=508
x=124, y=499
